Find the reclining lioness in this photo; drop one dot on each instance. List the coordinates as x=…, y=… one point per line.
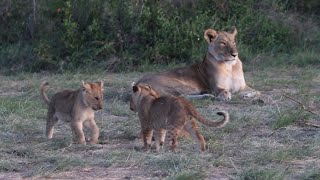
x=76, y=107
x=220, y=73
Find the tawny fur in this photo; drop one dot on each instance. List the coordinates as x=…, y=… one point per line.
x=220, y=73
x=75, y=107
x=168, y=115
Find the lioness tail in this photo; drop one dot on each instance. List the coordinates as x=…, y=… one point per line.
x=43, y=88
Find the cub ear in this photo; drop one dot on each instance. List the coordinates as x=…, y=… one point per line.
x=133, y=83
x=135, y=88
x=210, y=35
x=233, y=30
x=85, y=85
x=100, y=83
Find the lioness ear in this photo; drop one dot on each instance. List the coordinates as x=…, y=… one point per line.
x=209, y=35
x=148, y=86
x=154, y=93
x=135, y=88
x=233, y=30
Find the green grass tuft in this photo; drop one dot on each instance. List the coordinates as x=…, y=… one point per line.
x=188, y=176
x=288, y=118
x=10, y=166
x=312, y=176
x=257, y=174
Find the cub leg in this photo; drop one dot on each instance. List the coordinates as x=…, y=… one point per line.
x=156, y=136
x=193, y=129
x=94, y=131
x=147, y=137
x=159, y=137
x=51, y=121
x=162, y=136
x=172, y=137
x=77, y=128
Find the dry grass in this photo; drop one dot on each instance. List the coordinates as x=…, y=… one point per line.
x=269, y=141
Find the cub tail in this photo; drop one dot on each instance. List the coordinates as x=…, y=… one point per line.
x=209, y=123
x=43, y=89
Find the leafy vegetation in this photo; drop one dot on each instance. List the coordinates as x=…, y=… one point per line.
x=121, y=35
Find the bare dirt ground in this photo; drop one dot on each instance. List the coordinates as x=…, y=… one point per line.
x=277, y=138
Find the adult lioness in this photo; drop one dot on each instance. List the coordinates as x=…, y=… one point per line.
x=220, y=73
x=169, y=113
x=76, y=107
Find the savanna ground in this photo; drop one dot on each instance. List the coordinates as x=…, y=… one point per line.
x=275, y=140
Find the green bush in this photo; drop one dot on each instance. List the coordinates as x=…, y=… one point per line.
x=121, y=34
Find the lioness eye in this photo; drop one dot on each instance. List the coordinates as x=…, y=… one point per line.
x=97, y=98
x=222, y=44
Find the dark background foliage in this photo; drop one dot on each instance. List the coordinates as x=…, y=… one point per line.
x=125, y=34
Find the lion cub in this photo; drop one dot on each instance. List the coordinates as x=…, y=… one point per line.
x=76, y=107
x=168, y=113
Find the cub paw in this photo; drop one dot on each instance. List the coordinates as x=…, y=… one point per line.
x=93, y=142
x=80, y=141
x=147, y=147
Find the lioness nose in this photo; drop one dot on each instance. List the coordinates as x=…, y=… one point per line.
x=234, y=54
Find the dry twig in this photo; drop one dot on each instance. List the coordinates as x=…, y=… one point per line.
x=233, y=164
x=313, y=125
x=304, y=108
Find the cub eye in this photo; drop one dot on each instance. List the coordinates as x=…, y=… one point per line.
x=97, y=98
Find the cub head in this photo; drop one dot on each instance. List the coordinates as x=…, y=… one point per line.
x=221, y=44
x=93, y=94
x=139, y=92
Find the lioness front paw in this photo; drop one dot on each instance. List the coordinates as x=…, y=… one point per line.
x=224, y=96
x=249, y=94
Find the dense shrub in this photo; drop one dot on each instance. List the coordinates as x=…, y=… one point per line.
x=123, y=34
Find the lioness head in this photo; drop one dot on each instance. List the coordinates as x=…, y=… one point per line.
x=93, y=94
x=221, y=44
x=140, y=91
